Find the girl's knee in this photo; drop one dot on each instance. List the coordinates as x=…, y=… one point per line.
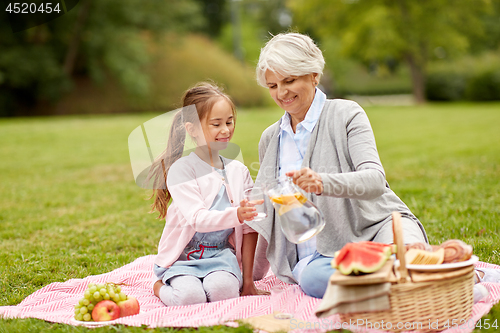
x=189, y=297
x=187, y=290
x=223, y=286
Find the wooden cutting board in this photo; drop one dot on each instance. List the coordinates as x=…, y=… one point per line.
x=384, y=274
x=270, y=324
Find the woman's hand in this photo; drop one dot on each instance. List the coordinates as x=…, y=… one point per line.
x=249, y=289
x=307, y=180
x=246, y=212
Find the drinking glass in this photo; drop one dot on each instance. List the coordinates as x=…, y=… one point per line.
x=256, y=197
x=283, y=301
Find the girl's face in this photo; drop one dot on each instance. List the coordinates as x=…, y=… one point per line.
x=218, y=126
x=293, y=94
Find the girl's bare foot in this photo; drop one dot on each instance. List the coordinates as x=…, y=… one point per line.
x=157, y=286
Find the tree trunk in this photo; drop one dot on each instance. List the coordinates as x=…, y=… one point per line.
x=417, y=79
x=72, y=52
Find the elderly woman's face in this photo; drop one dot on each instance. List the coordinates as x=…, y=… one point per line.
x=294, y=94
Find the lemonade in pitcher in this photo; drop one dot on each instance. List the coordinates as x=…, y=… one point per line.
x=299, y=218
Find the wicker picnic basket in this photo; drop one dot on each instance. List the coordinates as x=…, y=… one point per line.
x=423, y=306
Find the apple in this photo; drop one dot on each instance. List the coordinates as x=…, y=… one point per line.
x=106, y=310
x=129, y=307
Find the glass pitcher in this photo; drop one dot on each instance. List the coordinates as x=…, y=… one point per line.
x=299, y=218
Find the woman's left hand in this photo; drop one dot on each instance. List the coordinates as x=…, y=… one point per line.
x=307, y=180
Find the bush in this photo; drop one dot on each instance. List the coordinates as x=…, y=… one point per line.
x=183, y=61
x=469, y=78
x=484, y=86
x=442, y=85
x=178, y=63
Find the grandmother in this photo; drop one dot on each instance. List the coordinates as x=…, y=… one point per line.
x=329, y=149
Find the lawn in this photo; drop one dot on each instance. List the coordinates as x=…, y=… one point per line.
x=69, y=206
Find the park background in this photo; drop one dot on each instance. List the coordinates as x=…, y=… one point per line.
x=72, y=90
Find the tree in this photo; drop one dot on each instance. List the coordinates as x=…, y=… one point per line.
x=257, y=21
x=406, y=30
x=96, y=39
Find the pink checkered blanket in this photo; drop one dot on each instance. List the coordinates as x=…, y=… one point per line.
x=55, y=303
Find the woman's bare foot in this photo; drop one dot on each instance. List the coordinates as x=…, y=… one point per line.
x=157, y=286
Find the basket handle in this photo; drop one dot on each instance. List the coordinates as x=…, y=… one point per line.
x=400, y=247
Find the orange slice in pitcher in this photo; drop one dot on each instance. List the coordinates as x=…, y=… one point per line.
x=277, y=199
x=288, y=199
x=286, y=208
x=299, y=196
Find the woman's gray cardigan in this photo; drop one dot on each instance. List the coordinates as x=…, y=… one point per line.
x=356, y=201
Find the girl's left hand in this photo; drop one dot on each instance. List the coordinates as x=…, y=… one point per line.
x=250, y=290
x=307, y=180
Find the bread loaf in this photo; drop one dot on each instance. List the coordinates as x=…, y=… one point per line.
x=456, y=250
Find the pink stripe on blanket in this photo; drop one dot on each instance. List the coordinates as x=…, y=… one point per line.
x=55, y=303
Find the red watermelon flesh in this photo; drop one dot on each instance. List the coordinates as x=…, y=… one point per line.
x=361, y=260
x=386, y=249
x=375, y=245
x=340, y=255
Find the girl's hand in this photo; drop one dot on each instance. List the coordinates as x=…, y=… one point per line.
x=245, y=211
x=250, y=289
x=307, y=180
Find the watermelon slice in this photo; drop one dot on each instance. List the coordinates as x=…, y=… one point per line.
x=340, y=255
x=360, y=259
x=386, y=248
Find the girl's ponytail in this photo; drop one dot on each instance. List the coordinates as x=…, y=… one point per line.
x=161, y=166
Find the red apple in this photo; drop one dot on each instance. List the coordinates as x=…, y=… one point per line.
x=106, y=310
x=129, y=307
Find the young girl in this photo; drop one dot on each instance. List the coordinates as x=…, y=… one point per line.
x=205, y=241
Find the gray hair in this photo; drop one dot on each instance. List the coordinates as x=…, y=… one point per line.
x=290, y=54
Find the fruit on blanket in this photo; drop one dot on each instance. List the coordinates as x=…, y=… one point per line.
x=362, y=257
x=105, y=311
x=129, y=307
x=97, y=293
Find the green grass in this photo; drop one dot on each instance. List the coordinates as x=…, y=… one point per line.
x=69, y=206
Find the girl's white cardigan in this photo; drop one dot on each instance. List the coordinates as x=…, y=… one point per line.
x=193, y=185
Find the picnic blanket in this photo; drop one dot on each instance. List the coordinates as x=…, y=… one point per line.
x=55, y=302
